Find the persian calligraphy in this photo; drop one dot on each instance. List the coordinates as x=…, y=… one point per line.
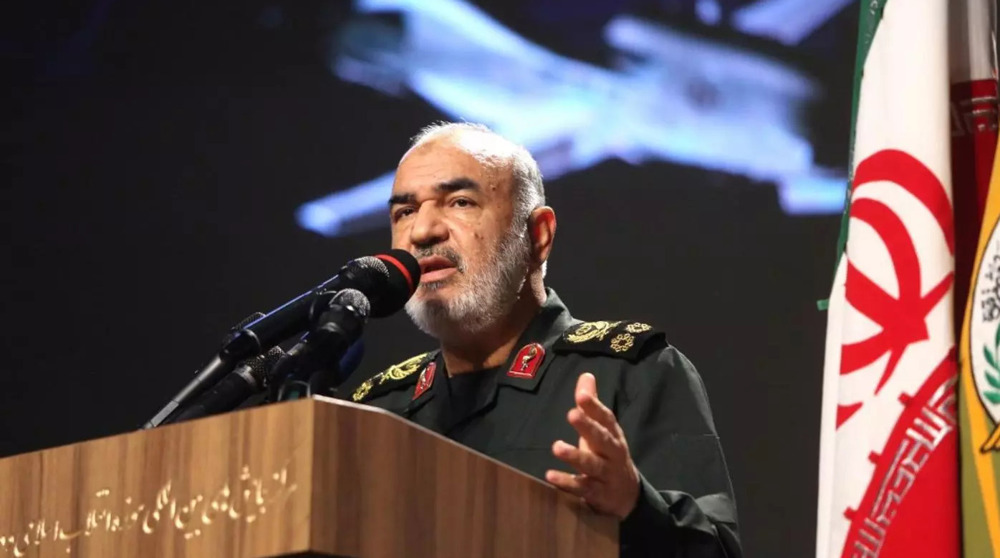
x=243, y=499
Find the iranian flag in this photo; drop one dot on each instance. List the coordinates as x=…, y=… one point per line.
x=889, y=467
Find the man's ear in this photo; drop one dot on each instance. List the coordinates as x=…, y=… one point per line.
x=542, y=228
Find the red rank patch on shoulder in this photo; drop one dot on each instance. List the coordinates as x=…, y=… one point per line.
x=527, y=361
x=426, y=380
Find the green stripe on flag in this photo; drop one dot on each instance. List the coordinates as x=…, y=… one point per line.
x=871, y=15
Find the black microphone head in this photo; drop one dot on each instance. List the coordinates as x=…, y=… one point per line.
x=389, y=279
x=260, y=365
x=355, y=299
x=272, y=356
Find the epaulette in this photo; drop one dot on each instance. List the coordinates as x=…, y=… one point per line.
x=396, y=375
x=622, y=339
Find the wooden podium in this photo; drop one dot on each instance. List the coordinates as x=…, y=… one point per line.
x=314, y=477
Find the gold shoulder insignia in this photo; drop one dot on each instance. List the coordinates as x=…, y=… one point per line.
x=588, y=331
x=391, y=375
x=624, y=339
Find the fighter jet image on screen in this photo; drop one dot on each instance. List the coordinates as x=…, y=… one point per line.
x=668, y=97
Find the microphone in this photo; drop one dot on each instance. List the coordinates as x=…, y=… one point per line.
x=324, y=346
x=326, y=381
x=387, y=280
x=234, y=389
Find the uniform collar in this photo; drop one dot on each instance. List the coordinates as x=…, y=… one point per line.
x=552, y=319
x=544, y=329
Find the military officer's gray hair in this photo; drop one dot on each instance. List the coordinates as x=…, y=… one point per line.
x=528, y=188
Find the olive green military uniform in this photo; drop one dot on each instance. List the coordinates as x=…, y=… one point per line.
x=515, y=412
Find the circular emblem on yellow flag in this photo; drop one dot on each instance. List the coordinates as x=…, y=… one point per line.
x=984, y=336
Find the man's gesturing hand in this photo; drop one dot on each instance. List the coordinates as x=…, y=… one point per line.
x=608, y=480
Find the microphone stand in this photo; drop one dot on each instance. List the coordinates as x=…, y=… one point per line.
x=217, y=368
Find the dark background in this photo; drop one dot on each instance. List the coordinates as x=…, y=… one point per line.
x=154, y=154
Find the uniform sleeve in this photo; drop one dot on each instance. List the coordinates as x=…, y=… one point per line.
x=686, y=507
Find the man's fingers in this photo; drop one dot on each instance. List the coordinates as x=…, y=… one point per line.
x=583, y=461
x=586, y=399
x=597, y=437
x=608, y=480
x=586, y=383
x=598, y=411
x=584, y=487
x=574, y=484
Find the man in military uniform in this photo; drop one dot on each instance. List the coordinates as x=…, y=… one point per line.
x=517, y=378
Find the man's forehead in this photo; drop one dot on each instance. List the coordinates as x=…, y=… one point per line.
x=437, y=159
x=487, y=148
x=444, y=159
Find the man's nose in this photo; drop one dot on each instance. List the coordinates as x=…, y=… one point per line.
x=428, y=226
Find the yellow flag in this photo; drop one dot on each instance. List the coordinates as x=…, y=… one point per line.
x=979, y=390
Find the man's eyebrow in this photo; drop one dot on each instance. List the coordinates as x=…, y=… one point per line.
x=401, y=199
x=454, y=185
x=457, y=185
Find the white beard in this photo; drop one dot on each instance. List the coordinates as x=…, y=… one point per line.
x=484, y=299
